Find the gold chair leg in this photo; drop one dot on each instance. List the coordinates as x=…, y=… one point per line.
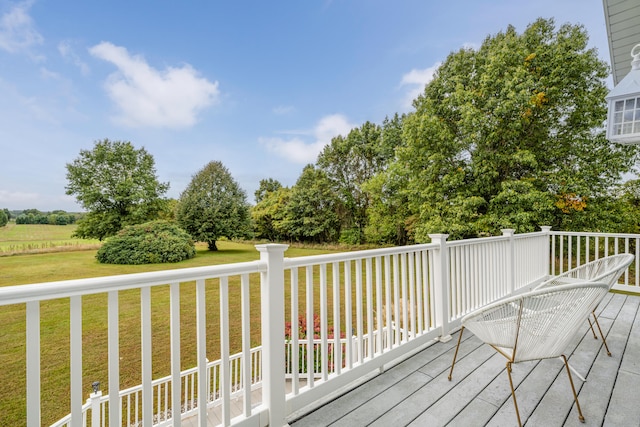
x=604, y=340
x=595, y=337
x=573, y=389
x=455, y=355
x=513, y=393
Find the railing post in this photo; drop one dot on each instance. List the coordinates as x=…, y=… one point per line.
x=511, y=257
x=546, y=229
x=94, y=399
x=272, y=316
x=441, y=285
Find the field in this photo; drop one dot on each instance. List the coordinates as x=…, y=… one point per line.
x=36, y=238
x=64, y=265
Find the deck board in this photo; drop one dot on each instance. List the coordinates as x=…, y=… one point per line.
x=416, y=392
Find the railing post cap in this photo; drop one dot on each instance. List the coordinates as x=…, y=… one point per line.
x=438, y=236
x=545, y=228
x=508, y=231
x=272, y=247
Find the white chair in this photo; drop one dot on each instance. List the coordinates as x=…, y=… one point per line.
x=606, y=270
x=536, y=325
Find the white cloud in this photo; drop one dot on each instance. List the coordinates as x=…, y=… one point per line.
x=47, y=74
x=282, y=110
x=17, y=29
x=145, y=96
x=298, y=150
x=67, y=52
x=416, y=81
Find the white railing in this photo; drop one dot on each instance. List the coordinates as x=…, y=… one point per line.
x=390, y=302
x=572, y=249
x=201, y=280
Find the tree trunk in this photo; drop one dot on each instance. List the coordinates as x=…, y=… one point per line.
x=212, y=246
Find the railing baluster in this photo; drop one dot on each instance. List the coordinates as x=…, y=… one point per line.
x=370, y=330
x=295, y=346
x=246, y=373
x=75, y=309
x=359, y=326
x=176, y=381
x=33, y=363
x=396, y=298
x=348, y=314
x=387, y=288
x=309, y=331
x=404, y=298
x=637, y=263
x=379, y=306
x=412, y=296
x=225, y=376
x=418, y=278
x=201, y=349
x=115, y=404
x=426, y=290
x=147, y=388
x=324, y=354
x=337, y=346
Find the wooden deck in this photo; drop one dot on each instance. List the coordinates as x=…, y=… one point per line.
x=416, y=392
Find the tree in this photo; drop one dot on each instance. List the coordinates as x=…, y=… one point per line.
x=7, y=213
x=213, y=205
x=269, y=211
x=3, y=218
x=117, y=184
x=349, y=163
x=507, y=134
x=266, y=186
x=389, y=217
x=311, y=211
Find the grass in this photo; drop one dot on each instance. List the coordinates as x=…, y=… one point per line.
x=46, y=267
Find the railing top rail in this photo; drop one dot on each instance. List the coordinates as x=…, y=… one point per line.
x=64, y=289
x=476, y=241
x=529, y=235
x=594, y=234
x=355, y=255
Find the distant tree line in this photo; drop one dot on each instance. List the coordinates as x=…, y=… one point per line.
x=57, y=217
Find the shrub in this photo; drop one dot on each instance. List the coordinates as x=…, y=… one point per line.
x=148, y=243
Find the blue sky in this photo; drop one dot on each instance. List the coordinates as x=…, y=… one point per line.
x=259, y=85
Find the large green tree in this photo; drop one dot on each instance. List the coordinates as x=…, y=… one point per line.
x=266, y=187
x=213, y=205
x=511, y=135
x=269, y=210
x=117, y=185
x=311, y=209
x=349, y=163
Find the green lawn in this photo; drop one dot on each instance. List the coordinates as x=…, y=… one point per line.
x=46, y=267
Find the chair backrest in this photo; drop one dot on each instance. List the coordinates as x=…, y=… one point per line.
x=607, y=270
x=538, y=324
